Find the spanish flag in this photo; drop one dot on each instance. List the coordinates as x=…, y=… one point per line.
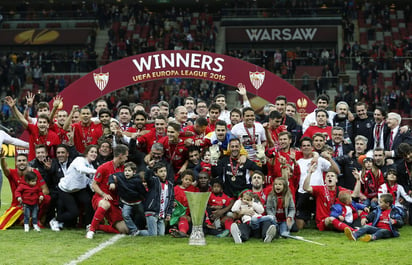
x=10, y=216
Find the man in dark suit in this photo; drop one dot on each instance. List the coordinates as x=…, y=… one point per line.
x=395, y=137
x=349, y=162
x=380, y=128
x=340, y=148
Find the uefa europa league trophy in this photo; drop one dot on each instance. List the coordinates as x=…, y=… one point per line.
x=197, y=205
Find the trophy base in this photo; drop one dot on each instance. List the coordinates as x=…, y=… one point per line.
x=197, y=237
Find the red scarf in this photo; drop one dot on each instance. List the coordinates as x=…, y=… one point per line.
x=392, y=190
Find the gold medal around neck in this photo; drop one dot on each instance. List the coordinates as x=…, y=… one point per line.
x=234, y=178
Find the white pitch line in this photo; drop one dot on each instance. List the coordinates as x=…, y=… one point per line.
x=93, y=251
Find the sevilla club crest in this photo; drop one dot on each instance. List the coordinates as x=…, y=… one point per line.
x=257, y=78
x=101, y=80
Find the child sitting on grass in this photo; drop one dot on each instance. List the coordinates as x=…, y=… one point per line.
x=347, y=212
x=30, y=195
x=281, y=206
x=187, y=178
x=218, y=206
x=385, y=220
x=131, y=192
x=159, y=199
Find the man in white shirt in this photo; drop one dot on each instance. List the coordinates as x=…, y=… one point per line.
x=249, y=132
x=304, y=204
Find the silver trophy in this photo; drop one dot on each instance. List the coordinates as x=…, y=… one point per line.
x=197, y=205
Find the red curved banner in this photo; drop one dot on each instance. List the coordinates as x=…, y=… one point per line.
x=182, y=64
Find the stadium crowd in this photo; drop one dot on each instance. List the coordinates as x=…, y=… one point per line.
x=133, y=29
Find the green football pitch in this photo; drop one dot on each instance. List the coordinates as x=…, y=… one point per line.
x=71, y=247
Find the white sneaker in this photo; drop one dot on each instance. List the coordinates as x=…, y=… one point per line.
x=90, y=235
x=54, y=225
x=136, y=233
x=235, y=231
x=36, y=228
x=270, y=234
x=26, y=228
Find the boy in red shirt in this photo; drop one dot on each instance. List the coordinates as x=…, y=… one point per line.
x=217, y=207
x=187, y=178
x=347, y=213
x=385, y=220
x=30, y=195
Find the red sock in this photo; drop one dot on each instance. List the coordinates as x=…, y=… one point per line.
x=108, y=229
x=228, y=223
x=183, y=225
x=340, y=226
x=97, y=218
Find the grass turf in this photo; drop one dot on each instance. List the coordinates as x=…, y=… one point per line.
x=48, y=247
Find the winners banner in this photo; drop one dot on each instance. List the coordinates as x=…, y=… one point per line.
x=182, y=64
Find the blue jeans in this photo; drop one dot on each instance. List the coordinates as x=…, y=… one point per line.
x=155, y=225
x=368, y=203
x=128, y=214
x=32, y=210
x=256, y=221
x=377, y=233
x=283, y=229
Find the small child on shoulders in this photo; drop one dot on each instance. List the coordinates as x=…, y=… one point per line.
x=131, y=192
x=205, y=164
x=384, y=222
x=30, y=195
x=159, y=199
x=347, y=212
